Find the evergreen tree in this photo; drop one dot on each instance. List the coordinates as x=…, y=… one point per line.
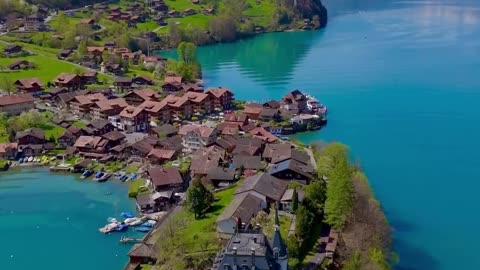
x=294, y=207
x=199, y=198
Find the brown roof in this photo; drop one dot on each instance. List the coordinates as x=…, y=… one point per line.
x=263, y=134
x=202, y=131
x=89, y=73
x=173, y=79
x=236, y=117
x=122, y=80
x=269, y=186
x=65, y=78
x=5, y=146
x=276, y=149
x=15, y=99
x=161, y=154
x=109, y=104
x=196, y=97
x=244, y=206
x=247, y=162
x=34, y=132
x=153, y=106
x=142, y=250
x=146, y=94
x=219, y=92
x=88, y=141
x=98, y=124
x=73, y=129
x=131, y=112
x=165, y=130
x=93, y=48
x=87, y=21
x=165, y=176
x=114, y=135
x=252, y=110
x=29, y=82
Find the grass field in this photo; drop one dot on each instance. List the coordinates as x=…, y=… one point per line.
x=52, y=130
x=260, y=12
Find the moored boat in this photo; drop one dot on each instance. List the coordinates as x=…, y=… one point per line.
x=104, y=178
x=86, y=174
x=110, y=227
x=143, y=229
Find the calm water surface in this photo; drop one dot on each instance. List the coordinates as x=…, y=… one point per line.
x=402, y=83
x=51, y=221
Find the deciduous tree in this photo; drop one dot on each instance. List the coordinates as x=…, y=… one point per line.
x=6, y=83
x=199, y=198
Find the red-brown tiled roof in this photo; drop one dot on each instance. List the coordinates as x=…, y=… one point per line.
x=15, y=99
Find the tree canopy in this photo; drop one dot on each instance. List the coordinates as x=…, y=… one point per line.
x=199, y=198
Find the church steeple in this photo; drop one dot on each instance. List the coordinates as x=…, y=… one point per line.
x=278, y=246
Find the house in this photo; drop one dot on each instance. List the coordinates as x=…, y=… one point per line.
x=171, y=143
x=160, y=156
x=189, y=11
x=114, y=137
x=253, y=111
x=210, y=10
x=220, y=176
x=100, y=127
x=66, y=140
x=173, y=13
x=122, y=83
x=8, y=150
x=64, y=54
x=28, y=150
x=80, y=105
x=12, y=49
x=150, y=61
x=292, y=170
x=70, y=81
x=267, y=115
x=265, y=186
x=196, y=2
x=34, y=23
x=201, y=102
x=222, y=98
x=95, y=51
x=134, y=119
x=204, y=162
x=272, y=104
x=252, y=250
x=296, y=99
x=137, y=97
x=287, y=199
x=92, y=146
x=87, y=21
x=142, y=80
x=192, y=87
x=277, y=150
x=142, y=253
x=181, y=107
x=90, y=77
x=29, y=85
x=240, y=211
x=111, y=67
x=196, y=137
x=30, y=136
x=240, y=119
x=20, y=64
x=163, y=131
x=138, y=150
x=161, y=179
x=104, y=108
x=158, y=110
x=155, y=202
x=242, y=162
x=16, y=104
x=172, y=83
x=264, y=135
x=246, y=150
x=110, y=45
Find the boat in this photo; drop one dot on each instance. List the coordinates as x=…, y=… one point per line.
x=103, y=178
x=143, y=229
x=122, y=227
x=86, y=174
x=127, y=215
x=148, y=224
x=112, y=220
x=20, y=160
x=133, y=221
x=30, y=159
x=124, y=239
x=132, y=176
x=123, y=177
x=110, y=227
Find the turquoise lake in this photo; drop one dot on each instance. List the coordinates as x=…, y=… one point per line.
x=401, y=80
x=51, y=221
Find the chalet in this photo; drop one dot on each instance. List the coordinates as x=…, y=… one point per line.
x=162, y=179
x=172, y=83
x=243, y=207
x=34, y=23
x=196, y=137
x=95, y=51
x=287, y=198
x=163, y=131
x=110, y=45
x=210, y=10
x=120, y=51
x=264, y=135
x=158, y=201
x=253, y=111
x=150, y=61
x=160, y=156
x=158, y=110
x=111, y=67
x=87, y=21
x=8, y=150
x=137, y=150
x=142, y=80
x=173, y=14
x=12, y=49
x=134, y=119
x=70, y=81
x=105, y=108
x=192, y=87
x=66, y=140
x=196, y=2
x=171, y=143
x=182, y=107
x=114, y=137
x=272, y=104
x=222, y=97
x=137, y=97
x=122, y=83
x=189, y=11
x=89, y=64
x=292, y=170
x=220, y=176
x=246, y=150
x=16, y=104
x=295, y=99
x=134, y=57
x=31, y=136
x=64, y=54
x=142, y=253
x=30, y=150
x=80, y=105
x=100, y=127
x=62, y=100
x=20, y=64
x=90, y=77
x=242, y=162
x=92, y=146
x=201, y=102
x=269, y=115
x=75, y=131
x=29, y=85
x=265, y=186
x=239, y=119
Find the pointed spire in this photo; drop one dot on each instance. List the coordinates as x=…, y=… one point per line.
x=277, y=221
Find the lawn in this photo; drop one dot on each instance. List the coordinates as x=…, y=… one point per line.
x=52, y=130
x=134, y=187
x=132, y=167
x=204, y=229
x=3, y=134
x=79, y=124
x=147, y=26
x=181, y=5
x=70, y=21
x=198, y=20
x=261, y=12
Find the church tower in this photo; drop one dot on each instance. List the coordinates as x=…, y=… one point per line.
x=278, y=246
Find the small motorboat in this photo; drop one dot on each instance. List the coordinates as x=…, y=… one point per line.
x=104, y=177
x=86, y=174
x=112, y=220
x=121, y=228
x=110, y=227
x=98, y=175
x=132, y=176
x=123, y=177
x=30, y=159
x=143, y=229
x=133, y=221
x=148, y=224
x=20, y=160
x=127, y=215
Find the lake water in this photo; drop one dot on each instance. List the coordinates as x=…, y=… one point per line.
x=51, y=221
x=401, y=80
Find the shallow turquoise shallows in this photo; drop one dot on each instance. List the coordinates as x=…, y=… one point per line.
x=401, y=80
x=51, y=221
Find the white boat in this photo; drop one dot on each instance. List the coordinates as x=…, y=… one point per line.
x=109, y=227
x=133, y=221
x=30, y=159
x=112, y=220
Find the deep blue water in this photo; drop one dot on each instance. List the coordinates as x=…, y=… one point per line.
x=51, y=221
x=402, y=83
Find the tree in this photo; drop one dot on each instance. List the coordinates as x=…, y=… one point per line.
x=62, y=22
x=82, y=47
x=303, y=223
x=294, y=207
x=199, y=198
x=186, y=52
x=7, y=85
x=174, y=34
x=234, y=9
x=339, y=202
x=223, y=29
x=315, y=192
